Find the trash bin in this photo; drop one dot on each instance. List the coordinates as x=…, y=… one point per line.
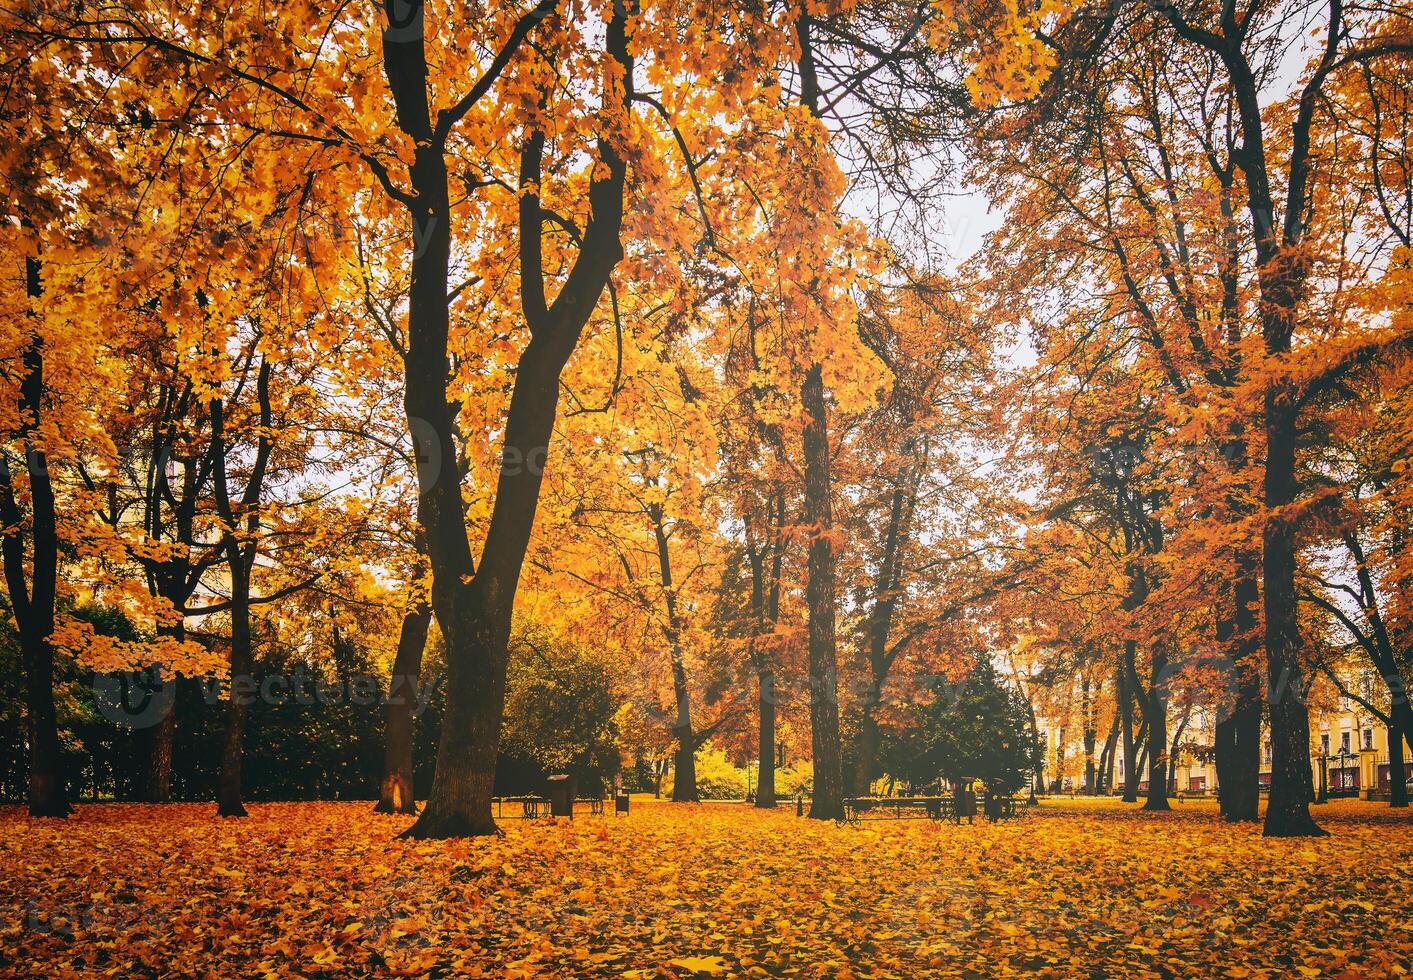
x=992, y=805
x=620, y=803
x=561, y=795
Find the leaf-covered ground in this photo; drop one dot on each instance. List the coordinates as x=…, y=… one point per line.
x=1073, y=889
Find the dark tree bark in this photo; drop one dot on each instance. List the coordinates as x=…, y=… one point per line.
x=240, y=544
x=228, y=787
x=887, y=583
x=157, y=786
x=765, y=612
x=1282, y=269
x=1397, y=778
x=766, y=737
x=1288, y=807
x=880, y=626
x=827, y=799
x=395, y=792
x=1238, y=735
x=1105, y=777
x=1126, y=699
x=684, y=765
x=32, y=601
x=176, y=578
x=1155, y=717
x=473, y=604
x=1142, y=758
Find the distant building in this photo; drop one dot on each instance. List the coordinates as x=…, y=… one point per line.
x=1348, y=755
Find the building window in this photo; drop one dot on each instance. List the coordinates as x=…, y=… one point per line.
x=1369, y=738
x=1266, y=752
x=1325, y=744
x=1344, y=741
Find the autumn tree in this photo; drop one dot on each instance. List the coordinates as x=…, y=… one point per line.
x=1282, y=201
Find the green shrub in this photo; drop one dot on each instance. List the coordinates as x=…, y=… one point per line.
x=717, y=778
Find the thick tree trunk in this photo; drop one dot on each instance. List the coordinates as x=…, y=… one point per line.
x=228, y=789
x=765, y=789
x=827, y=800
x=158, y=787
x=464, y=781
x=1133, y=773
x=1238, y=755
x=1126, y=698
x=32, y=602
x=474, y=622
x=157, y=778
x=684, y=768
x=1156, y=751
x=684, y=761
x=1281, y=275
x=240, y=543
x=684, y=772
x=1397, y=779
x=1156, y=716
x=473, y=605
x=395, y=792
x=1237, y=739
x=1288, y=809
x=765, y=610
x=47, y=794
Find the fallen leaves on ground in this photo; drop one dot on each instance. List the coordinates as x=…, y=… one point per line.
x=1090, y=888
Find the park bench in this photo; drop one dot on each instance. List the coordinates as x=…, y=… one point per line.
x=935, y=808
x=534, y=807
x=530, y=807
x=857, y=809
